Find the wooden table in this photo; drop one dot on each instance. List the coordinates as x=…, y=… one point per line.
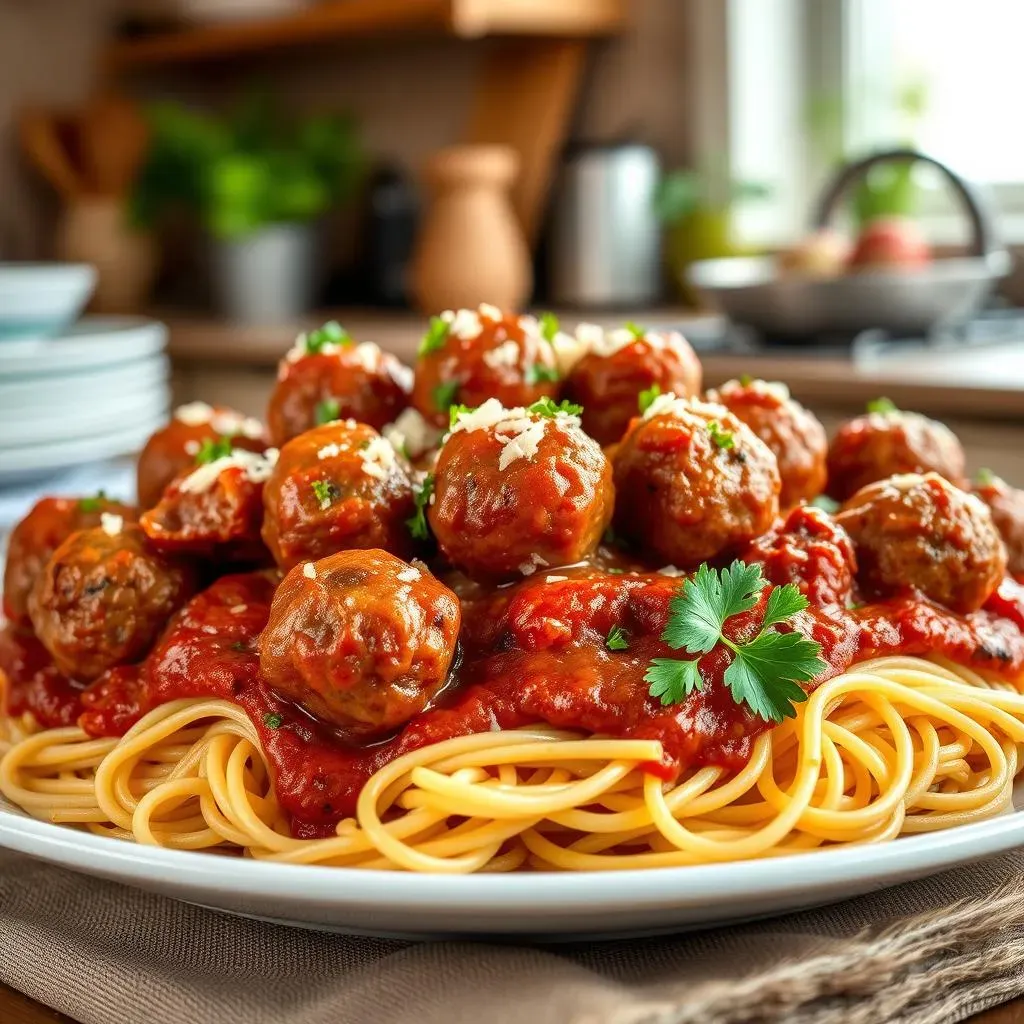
x=18, y=1009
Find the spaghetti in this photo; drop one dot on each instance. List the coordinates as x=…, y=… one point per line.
x=892, y=746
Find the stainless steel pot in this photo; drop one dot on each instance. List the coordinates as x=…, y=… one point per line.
x=605, y=237
x=910, y=302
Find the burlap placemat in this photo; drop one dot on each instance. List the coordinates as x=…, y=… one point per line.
x=932, y=951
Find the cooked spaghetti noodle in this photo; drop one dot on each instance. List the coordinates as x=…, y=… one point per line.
x=893, y=746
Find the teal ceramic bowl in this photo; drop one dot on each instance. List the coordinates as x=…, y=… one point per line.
x=42, y=300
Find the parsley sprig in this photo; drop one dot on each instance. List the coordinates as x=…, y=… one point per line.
x=635, y=329
x=617, y=639
x=417, y=523
x=721, y=437
x=445, y=395
x=326, y=493
x=327, y=411
x=538, y=373
x=984, y=478
x=331, y=333
x=93, y=503
x=436, y=336
x=882, y=405
x=213, y=449
x=646, y=398
x=549, y=408
x=765, y=672
x=549, y=326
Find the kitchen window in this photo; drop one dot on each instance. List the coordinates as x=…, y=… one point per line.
x=808, y=82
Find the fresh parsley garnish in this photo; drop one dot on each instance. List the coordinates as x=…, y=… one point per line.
x=764, y=672
x=332, y=333
x=549, y=326
x=93, y=503
x=272, y=720
x=455, y=411
x=417, y=523
x=436, y=336
x=445, y=395
x=635, y=329
x=617, y=639
x=882, y=405
x=646, y=398
x=746, y=380
x=721, y=437
x=540, y=374
x=326, y=493
x=548, y=407
x=213, y=449
x=984, y=478
x=327, y=411
x=826, y=504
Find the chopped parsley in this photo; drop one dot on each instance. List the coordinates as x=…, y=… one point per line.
x=549, y=326
x=549, y=408
x=746, y=380
x=326, y=493
x=826, y=504
x=272, y=720
x=721, y=437
x=984, y=478
x=327, y=411
x=764, y=673
x=213, y=449
x=93, y=503
x=436, y=336
x=646, y=398
x=635, y=329
x=455, y=411
x=332, y=333
x=540, y=374
x=882, y=405
x=417, y=523
x=445, y=395
x=617, y=639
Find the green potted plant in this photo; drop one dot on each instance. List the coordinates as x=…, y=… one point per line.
x=259, y=184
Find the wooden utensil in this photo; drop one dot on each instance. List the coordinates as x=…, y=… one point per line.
x=114, y=137
x=40, y=139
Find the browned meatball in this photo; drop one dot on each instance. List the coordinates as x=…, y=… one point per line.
x=336, y=487
x=174, y=448
x=621, y=364
x=215, y=509
x=795, y=436
x=518, y=489
x=472, y=355
x=888, y=443
x=1006, y=504
x=360, y=639
x=327, y=376
x=921, y=533
x=693, y=482
x=103, y=597
x=48, y=524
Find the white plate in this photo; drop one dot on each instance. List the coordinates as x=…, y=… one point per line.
x=28, y=462
x=81, y=392
x=39, y=300
x=541, y=906
x=93, y=341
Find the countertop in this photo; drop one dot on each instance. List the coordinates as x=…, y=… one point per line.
x=978, y=382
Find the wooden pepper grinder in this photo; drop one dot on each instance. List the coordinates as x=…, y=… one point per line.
x=471, y=248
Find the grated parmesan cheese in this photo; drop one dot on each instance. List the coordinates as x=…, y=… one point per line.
x=192, y=447
x=409, y=575
x=239, y=609
x=613, y=341
x=506, y=354
x=532, y=564
x=223, y=421
x=671, y=570
x=523, y=445
x=309, y=570
x=331, y=451
x=367, y=355
x=569, y=350
x=775, y=388
x=111, y=524
x=555, y=579
x=194, y=414
x=378, y=458
x=463, y=324
x=257, y=469
x=489, y=311
x=412, y=434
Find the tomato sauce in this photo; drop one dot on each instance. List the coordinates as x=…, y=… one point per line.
x=531, y=653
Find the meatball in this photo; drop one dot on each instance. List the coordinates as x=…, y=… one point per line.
x=693, y=482
x=517, y=489
x=472, y=355
x=795, y=436
x=174, y=448
x=921, y=533
x=326, y=376
x=890, y=443
x=336, y=487
x=215, y=508
x=813, y=552
x=621, y=364
x=1006, y=504
x=103, y=597
x=361, y=639
x=49, y=523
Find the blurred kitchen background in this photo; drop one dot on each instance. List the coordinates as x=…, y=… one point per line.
x=239, y=170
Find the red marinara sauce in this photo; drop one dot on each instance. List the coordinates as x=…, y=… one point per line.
x=536, y=653
x=30, y=682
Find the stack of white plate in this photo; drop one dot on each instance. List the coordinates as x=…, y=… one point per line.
x=97, y=391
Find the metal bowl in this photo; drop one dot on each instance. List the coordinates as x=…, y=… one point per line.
x=914, y=300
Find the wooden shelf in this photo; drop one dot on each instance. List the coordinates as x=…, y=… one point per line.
x=340, y=19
